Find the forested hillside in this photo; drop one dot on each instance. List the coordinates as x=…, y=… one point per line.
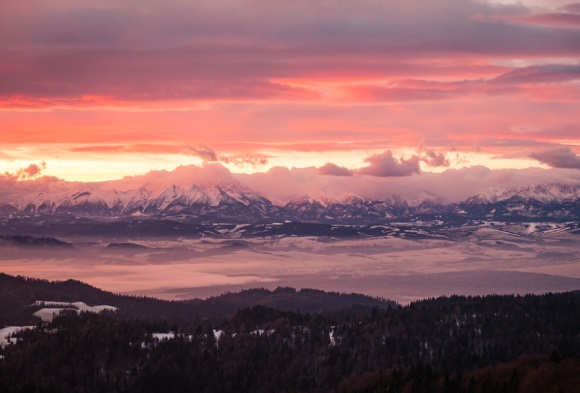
x=17, y=294
x=455, y=344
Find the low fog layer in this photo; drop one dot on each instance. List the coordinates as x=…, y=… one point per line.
x=487, y=261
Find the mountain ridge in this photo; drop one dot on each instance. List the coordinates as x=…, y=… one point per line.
x=234, y=201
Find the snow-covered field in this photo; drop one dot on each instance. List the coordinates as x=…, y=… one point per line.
x=53, y=309
x=489, y=260
x=163, y=336
x=7, y=332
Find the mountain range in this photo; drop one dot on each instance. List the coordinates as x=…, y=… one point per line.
x=233, y=202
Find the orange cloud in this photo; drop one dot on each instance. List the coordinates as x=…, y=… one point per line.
x=30, y=172
x=117, y=80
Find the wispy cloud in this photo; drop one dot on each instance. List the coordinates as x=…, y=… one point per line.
x=201, y=151
x=559, y=19
x=572, y=7
x=550, y=73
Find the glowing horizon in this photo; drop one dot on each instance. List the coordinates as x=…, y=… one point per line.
x=103, y=90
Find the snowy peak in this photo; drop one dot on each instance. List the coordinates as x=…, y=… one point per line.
x=397, y=201
x=198, y=201
x=320, y=200
x=105, y=202
x=307, y=207
x=424, y=199
x=535, y=193
x=554, y=193
x=353, y=199
x=225, y=199
x=352, y=207
x=234, y=201
x=531, y=201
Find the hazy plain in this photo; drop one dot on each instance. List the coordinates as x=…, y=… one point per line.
x=487, y=261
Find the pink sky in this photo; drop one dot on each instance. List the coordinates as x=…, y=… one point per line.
x=356, y=90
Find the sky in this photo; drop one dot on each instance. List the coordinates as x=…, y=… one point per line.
x=324, y=94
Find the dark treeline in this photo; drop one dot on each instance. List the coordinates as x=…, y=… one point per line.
x=17, y=294
x=456, y=344
x=32, y=241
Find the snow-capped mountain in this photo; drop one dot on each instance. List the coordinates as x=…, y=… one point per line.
x=307, y=207
x=351, y=208
x=426, y=203
x=224, y=200
x=358, y=207
x=227, y=200
x=233, y=201
x=88, y=203
x=554, y=193
x=528, y=201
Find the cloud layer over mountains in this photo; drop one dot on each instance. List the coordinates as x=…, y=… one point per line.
x=280, y=184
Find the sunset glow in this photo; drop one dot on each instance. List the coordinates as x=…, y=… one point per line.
x=103, y=90
x=289, y=195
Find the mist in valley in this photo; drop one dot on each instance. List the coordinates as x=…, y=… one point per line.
x=483, y=261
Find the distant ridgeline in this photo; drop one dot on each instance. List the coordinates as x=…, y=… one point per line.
x=359, y=344
x=238, y=212
x=32, y=241
x=19, y=297
x=237, y=203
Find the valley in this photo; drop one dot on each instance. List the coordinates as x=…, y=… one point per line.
x=402, y=261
